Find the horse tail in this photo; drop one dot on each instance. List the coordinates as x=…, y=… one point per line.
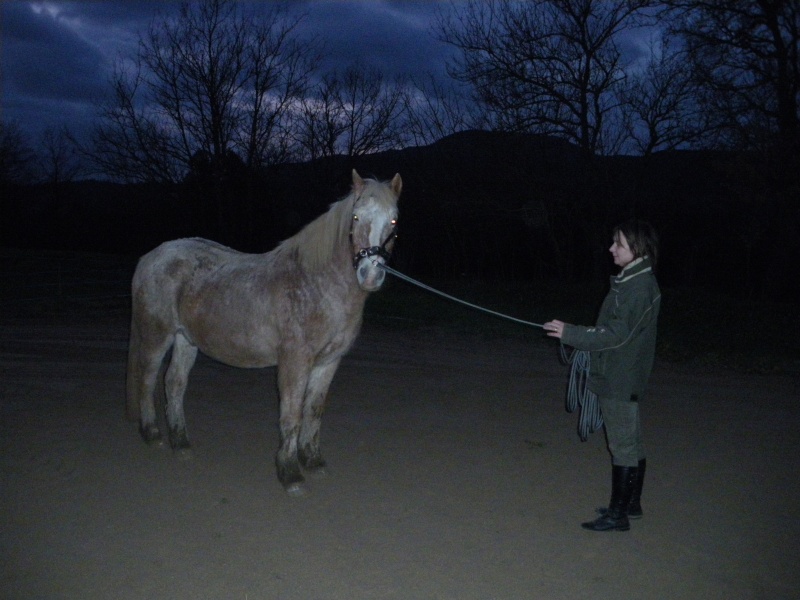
x=153, y=301
x=133, y=374
x=136, y=375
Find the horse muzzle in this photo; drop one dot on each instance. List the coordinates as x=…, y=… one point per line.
x=369, y=273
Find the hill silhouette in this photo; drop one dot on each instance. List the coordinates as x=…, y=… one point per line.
x=481, y=204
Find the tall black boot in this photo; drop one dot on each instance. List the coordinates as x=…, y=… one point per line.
x=635, y=507
x=623, y=481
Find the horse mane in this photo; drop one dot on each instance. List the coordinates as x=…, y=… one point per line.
x=317, y=242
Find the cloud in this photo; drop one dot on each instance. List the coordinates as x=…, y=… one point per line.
x=54, y=67
x=57, y=57
x=45, y=60
x=393, y=37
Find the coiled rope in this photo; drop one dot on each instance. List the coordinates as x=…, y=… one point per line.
x=590, y=418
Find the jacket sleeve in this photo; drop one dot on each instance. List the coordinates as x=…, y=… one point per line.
x=614, y=331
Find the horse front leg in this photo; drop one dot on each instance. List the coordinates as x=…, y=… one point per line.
x=313, y=407
x=292, y=381
x=184, y=353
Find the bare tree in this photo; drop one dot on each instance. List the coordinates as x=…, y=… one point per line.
x=372, y=108
x=130, y=144
x=745, y=60
x=434, y=111
x=319, y=124
x=352, y=113
x=548, y=67
x=745, y=57
x=16, y=156
x=59, y=160
x=213, y=82
x=662, y=107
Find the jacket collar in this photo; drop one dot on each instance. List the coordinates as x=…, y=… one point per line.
x=637, y=267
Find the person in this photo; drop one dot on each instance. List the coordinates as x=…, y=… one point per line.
x=621, y=347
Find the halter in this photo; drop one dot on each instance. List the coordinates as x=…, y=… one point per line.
x=374, y=250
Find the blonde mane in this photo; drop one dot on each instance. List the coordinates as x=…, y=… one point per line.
x=316, y=243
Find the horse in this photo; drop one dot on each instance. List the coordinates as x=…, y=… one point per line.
x=298, y=307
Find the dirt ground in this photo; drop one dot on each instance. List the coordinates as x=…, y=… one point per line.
x=455, y=473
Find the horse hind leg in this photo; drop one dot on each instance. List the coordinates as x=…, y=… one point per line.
x=309, y=452
x=145, y=357
x=176, y=378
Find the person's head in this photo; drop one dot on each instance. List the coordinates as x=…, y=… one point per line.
x=634, y=239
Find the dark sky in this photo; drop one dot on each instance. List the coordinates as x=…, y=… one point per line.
x=56, y=56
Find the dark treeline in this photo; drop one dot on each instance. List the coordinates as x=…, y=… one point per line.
x=482, y=205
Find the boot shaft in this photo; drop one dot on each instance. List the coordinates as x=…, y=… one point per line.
x=635, y=506
x=624, y=481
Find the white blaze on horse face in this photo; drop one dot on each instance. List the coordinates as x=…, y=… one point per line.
x=373, y=227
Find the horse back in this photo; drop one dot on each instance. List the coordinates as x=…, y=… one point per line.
x=187, y=285
x=167, y=271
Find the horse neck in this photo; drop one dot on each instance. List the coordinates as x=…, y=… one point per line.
x=341, y=263
x=331, y=268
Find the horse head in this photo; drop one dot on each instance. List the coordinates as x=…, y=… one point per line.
x=373, y=228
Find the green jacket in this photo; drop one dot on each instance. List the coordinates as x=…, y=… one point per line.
x=622, y=345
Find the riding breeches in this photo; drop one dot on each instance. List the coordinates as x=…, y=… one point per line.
x=623, y=430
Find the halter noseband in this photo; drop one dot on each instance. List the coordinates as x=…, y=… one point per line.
x=374, y=250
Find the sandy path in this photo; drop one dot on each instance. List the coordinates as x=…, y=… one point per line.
x=456, y=474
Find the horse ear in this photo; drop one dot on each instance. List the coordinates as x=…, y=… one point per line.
x=397, y=184
x=358, y=183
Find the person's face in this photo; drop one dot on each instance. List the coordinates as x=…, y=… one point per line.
x=621, y=251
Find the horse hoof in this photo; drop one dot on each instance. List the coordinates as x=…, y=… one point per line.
x=180, y=445
x=298, y=489
x=178, y=439
x=151, y=434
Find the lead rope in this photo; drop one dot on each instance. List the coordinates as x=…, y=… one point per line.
x=400, y=275
x=590, y=419
x=578, y=394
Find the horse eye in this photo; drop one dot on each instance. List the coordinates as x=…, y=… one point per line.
x=394, y=221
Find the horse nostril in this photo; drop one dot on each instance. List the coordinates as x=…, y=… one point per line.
x=370, y=278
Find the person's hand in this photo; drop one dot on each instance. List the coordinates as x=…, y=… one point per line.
x=554, y=328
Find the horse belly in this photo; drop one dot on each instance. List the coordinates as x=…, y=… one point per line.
x=237, y=340
x=261, y=349
x=243, y=356
x=236, y=354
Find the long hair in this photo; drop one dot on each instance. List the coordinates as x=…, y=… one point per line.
x=316, y=243
x=642, y=238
